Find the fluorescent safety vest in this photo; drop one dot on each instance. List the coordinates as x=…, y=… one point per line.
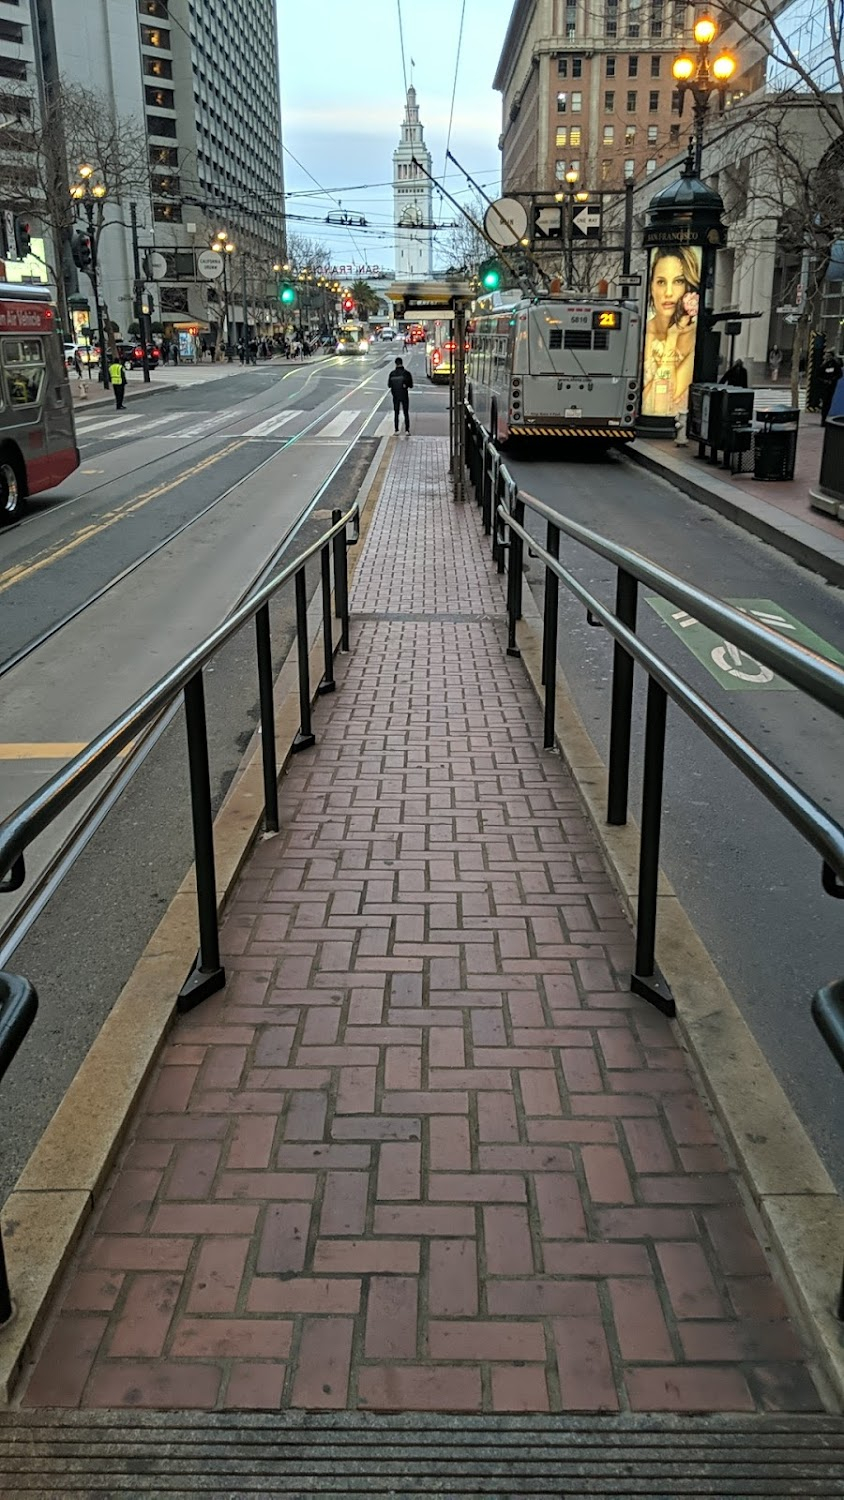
x=115, y=373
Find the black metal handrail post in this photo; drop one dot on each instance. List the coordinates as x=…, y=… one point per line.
x=208, y=974
x=263, y=643
x=341, y=583
x=618, y=779
x=514, y=576
x=486, y=492
x=327, y=685
x=645, y=979
x=305, y=736
x=549, y=636
x=18, y=1009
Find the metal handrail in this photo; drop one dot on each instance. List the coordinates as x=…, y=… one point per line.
x=35, y=815
x=502, y=502
x=802, y=811
x=799, y=665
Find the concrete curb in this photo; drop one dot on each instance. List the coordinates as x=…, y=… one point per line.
x=800, y=540
x=798, y=1215
x=46, y=1210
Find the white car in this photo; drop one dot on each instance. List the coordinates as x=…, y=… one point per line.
x=387, y=335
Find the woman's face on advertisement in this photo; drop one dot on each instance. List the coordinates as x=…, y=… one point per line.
x=668, y=284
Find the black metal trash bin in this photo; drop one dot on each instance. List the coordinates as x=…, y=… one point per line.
x=775, y=444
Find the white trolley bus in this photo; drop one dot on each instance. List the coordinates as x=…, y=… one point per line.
x=555, y=366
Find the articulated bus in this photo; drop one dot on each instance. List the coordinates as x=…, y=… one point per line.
x=37, y=438
x=439, y=349
x=559, y=366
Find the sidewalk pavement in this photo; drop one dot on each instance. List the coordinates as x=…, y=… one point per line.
x=778, y=511
x=425, y=1151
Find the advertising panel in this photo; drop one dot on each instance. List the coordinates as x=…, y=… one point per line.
x=671, y=325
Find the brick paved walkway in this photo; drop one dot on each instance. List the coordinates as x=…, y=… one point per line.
x=426, y=1151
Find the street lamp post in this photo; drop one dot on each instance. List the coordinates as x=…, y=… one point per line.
x=87, y=192
x=224, y=246
x=701, y=75
x=571, y=197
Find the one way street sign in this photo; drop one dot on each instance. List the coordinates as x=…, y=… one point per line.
x=587, y=223
x=548, y=223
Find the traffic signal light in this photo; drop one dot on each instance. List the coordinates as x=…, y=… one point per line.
x=348, y=304
x=489, y=275
x=287, y=294
x=82, y=250
x=23, y=239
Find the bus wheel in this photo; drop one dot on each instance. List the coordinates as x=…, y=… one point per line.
x=11, y=489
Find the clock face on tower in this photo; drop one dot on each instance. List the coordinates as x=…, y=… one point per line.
x=411, y=217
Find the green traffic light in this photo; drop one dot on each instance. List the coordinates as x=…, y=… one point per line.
x=287, y=295
x=490, y=276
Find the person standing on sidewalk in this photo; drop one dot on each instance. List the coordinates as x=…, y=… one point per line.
x=400, y=384
x=831, y=372
x=117, y=376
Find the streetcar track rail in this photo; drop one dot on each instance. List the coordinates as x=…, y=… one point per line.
x=283, y=442
x=51, y=510
x=44, y=885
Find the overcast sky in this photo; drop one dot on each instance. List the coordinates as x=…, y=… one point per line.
x=342, y=102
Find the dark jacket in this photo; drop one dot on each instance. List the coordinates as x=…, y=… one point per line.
x=399, y=382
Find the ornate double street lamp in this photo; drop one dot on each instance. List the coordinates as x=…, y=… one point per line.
x=571, y=197
x=225, y=247
x=701, y=75
x=88, y=192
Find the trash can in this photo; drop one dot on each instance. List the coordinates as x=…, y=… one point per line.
x=734, y=416
x=775, y=443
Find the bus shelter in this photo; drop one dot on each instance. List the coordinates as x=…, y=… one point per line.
x=426, y=301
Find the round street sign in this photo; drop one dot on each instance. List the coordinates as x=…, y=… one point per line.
x=209, y=263
x=505, y=221
x=157, y=265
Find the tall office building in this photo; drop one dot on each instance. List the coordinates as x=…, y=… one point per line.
x=412, y=198
x=587, y=87
x=201, y=82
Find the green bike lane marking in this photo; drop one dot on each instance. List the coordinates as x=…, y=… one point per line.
x=733, y=668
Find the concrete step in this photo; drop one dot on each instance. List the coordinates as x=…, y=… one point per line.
x=299, y=1454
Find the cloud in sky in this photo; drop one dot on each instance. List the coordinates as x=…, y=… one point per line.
x=342, y=95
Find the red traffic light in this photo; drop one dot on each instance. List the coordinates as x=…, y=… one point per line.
x=348, y=304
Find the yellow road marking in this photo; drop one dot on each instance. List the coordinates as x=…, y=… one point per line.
x=43, y=560
x=49, y=750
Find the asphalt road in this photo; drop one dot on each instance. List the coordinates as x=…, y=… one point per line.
x=260, y=443
x=750, y=885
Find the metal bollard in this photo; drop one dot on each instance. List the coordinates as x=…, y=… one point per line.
x=208, y=974
x=265, y=691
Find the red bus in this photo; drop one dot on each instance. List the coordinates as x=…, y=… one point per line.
x=37, y=437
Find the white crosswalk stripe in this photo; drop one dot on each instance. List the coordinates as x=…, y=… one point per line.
x=337, y=426
x=384, y=428
x=82, y=431
x=174, y=416
x=281, y=419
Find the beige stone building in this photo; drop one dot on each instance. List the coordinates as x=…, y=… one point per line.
x=587, y=86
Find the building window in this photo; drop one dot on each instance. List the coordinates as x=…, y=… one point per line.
x=611, y=67
x=606, y=169
x=153, y=8
x=158, y=67
x=632, y=67
x=611, y=18
x=629, y=168
x=609, y=135
x=155, y=36
x=575, y=166
x=167, y=213
x=574, y=135
x=560, y=171
x=650, y=166
x=163, y=156
x=631, y=102
x=162, y=98
x=652, y=134
x=571, y=21
x=656, y=18
x=629, y=135
x=633, y=17
x=655, y=66
x=12, y=67
x=563, y=67
x=653, y=101
x=674, y=135
x=11, y=31
x=577, y=67
x=562, y=103
x=576, y=103
x=675, y=101
x=169, y=185
x=161, y=125
x=609, y=101
x=679, y=17
x=562, y=135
